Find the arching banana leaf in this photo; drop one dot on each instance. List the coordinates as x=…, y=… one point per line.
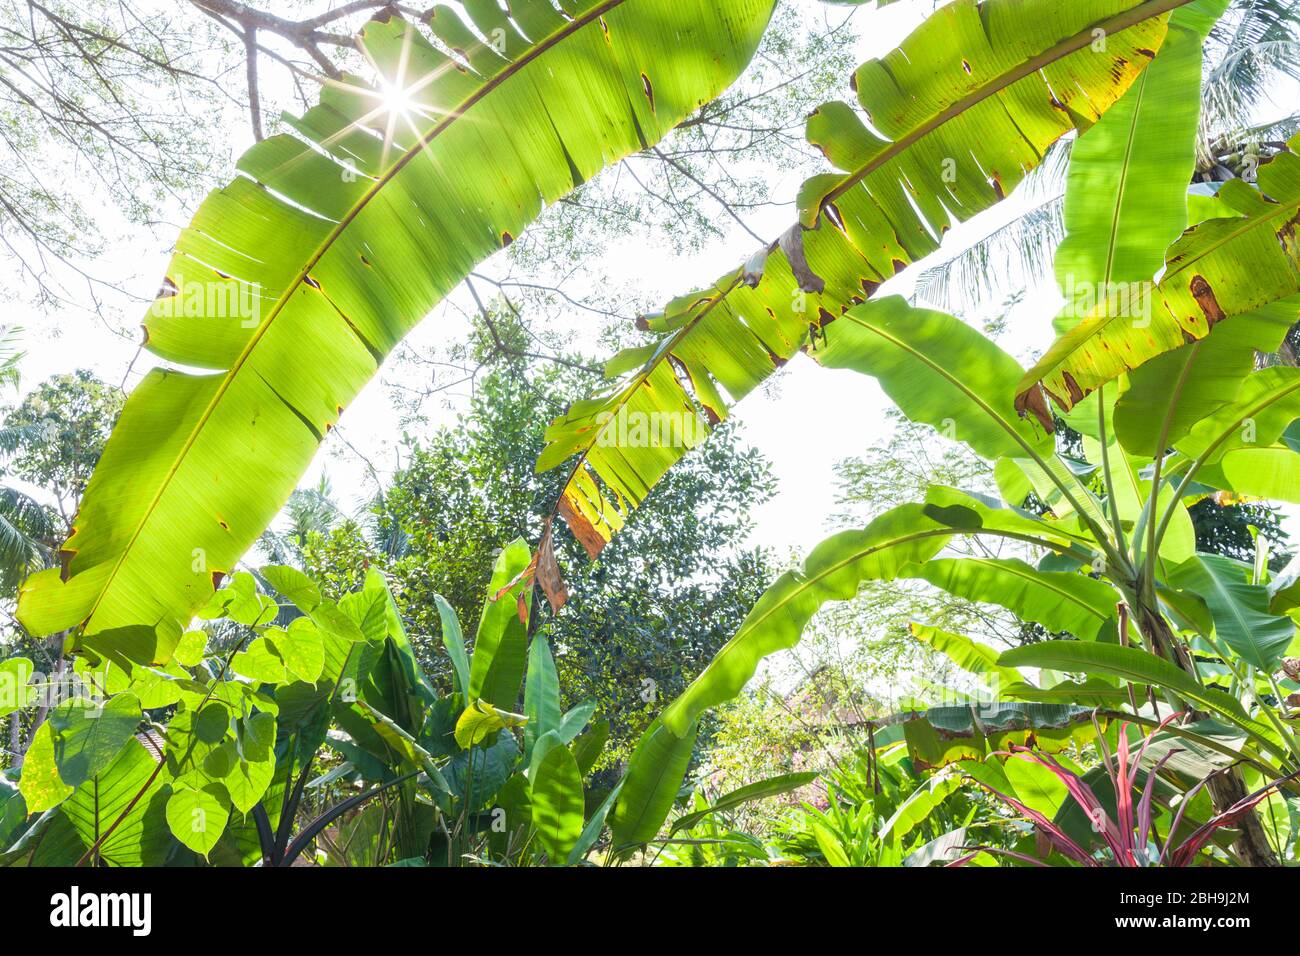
x=295, y=280
x=1126, y=199
x=1218, y=269
x=961, y=111
x=1061, y=601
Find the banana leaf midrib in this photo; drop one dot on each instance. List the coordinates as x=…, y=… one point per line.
x=490, y=85
x=1074, y=44
x=1126, y=168
x=752, y=624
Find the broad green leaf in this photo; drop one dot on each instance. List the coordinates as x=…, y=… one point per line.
x=301, y=649
x=294, y=585
x=575, y=721
x=193, y=645
x=246, y=776
x=557, y=802
x=541, y=693
x=501, y=642
x=588, y=746
x=1134, y=665
x=129, y=789
x=591, y=831
x=654, y=775
x=833, y=572
x=1169, y=394
x=1270, y=473
x=454, y=641
x=760, y=790
x=1058, y=600
x=938, y=371
x=491, y=767
x=1240, y=609
x=969, y=655
x=260, y=662
x=967, y=105
x=1125, y=203
x=198, y=817
x=88, y=736
x=1126, y=199
x=1218, y=269
x=40, y=784
x=917, y=807
x=1035, y=786
x=480, y=719
x=15, y=692
x=297, y=279
x=944, y=735
x=831, y=846
x=1269, y=401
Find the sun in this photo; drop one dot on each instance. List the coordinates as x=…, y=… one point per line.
x=397, y=99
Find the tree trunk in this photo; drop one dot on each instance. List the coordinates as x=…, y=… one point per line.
x=1226, y=789
x=16, y=740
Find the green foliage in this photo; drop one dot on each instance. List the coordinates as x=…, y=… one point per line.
x=638, y=625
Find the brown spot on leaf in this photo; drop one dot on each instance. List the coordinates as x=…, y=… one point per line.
x=311, y=282
x=1149, y=54
x=1034, y=402
x=965, y=65
x=996, y=182
x=216, y=579
x=506, y=239
x=1076, y=393
x=1203, y=293
x=649, y=91
x=167, y=289
x=824, y=318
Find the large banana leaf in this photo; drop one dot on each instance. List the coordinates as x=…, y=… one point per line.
x=1061, y=601
x=299, y=277
x=1218, y=269
x=970, y=655
x=970, y=102
x=1139, y=667
x=938, y=371
x=654, y=776
x=1266, y=405
x=1240, y=609
x=1126, y=200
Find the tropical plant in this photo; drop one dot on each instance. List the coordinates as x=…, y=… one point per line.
x=1118, y=573
x=1125, y=816
x=368, y=231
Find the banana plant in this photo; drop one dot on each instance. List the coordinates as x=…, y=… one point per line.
x=1110, y=556
x=946, y=126
x=293, y=282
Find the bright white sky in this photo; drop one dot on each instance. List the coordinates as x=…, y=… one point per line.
x=806, y=422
